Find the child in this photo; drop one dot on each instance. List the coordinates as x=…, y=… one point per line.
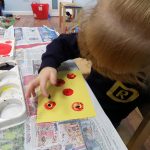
x=115, y=36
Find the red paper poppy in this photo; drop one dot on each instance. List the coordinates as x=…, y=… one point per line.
x=49, y=105
x=5, y=49
x=68, y=92
x=60, y=82
x=77, y=106
x=71, y=75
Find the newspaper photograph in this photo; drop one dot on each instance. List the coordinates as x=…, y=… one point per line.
x=12, y=138
x=71, y=135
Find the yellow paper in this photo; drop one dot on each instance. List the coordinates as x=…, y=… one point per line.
x=63, y=108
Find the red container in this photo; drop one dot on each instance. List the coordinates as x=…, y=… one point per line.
x=40, y=11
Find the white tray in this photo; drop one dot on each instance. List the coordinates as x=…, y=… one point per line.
x=12, y=101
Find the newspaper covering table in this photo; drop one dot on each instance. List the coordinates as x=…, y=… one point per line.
x=29, y=36
x=86, y=134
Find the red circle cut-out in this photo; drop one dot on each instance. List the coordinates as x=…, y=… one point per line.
x=71, y=75
x=60, y=82
x=5, y=49
x=68, y=92
x=49, y=105
x=77, y=106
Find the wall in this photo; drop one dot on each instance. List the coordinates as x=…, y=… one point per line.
x=18, y=6
x=86, y=3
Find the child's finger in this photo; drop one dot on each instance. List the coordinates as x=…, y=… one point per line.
x=53, y=78
x=31, y=88
x=43, y=83
x=33, y=93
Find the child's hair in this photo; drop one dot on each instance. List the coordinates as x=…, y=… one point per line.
x=115, y=36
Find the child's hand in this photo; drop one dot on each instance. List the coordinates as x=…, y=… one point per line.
x=46, y=74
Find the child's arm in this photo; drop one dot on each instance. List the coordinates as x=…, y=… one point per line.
x=63, y=48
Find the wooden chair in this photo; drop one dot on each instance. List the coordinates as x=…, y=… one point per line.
x=143, y=131
x=62, y=14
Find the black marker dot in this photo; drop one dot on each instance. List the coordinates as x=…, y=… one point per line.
x=49, y=96
x=78, y=106
x=49, y=105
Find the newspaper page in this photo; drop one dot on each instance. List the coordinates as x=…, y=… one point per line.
x=28, y=35
x=29, y=59
x=57, y=135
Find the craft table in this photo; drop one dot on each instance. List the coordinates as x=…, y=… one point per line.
x=109, y=137
x=105, y=134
